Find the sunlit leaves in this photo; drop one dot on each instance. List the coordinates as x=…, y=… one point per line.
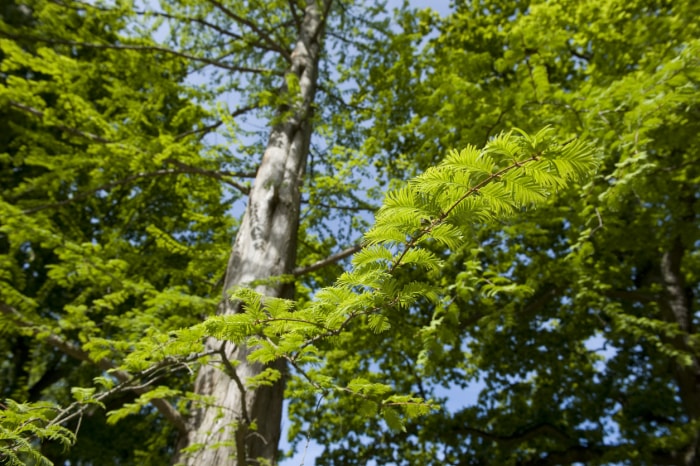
x=468, y=188
x=23, y=423
x=471, y=186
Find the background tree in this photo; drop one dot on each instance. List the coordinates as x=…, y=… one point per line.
x=582, y=332
x=103, y=232
x=106, y=248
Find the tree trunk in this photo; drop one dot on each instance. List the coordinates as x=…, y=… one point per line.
x=243, y=425
x=678, y=309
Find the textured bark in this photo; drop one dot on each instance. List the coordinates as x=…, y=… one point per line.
x=678, y=309
x=265, y=247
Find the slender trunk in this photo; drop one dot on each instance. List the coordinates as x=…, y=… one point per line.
x=243, y=425
x=678, y=309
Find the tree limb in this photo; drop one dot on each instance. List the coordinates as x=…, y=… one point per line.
x=262, y=34
x=75, y=352
x=519, y=436
x=364, y=208
x=182, y=168
x=143, y=48
x=68, y=129
x=231, y=372
x=295, y=16
x=327, y=261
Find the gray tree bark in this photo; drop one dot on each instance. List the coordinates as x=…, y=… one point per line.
x=678, y=309
x=265, y=247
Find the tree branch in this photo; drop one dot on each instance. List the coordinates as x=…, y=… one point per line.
x=365, y=208
x=203, y=131
x=185, y=168
x=327, y=261
x=519, y=436
x=584, y=454
x=75, y=352
x=231, y=372
x=100, y=139
x=68, y=129
x=143, y=48
x=262, y=34
x=238, y=112
x=182, y=168
x=295, y=16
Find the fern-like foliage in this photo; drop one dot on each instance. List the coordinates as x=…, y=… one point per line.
x=442, y=206
x=469, y=188
x=24, y=423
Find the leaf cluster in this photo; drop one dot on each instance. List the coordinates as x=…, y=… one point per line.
x=441, y=207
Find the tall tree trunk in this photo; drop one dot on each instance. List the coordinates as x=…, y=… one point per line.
x=265, y=247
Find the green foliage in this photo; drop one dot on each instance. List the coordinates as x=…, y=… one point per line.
x=569, y=330
x=121, y=177
x=276, y=328
x=109, y=224
x=24, y=423
x=490, y=182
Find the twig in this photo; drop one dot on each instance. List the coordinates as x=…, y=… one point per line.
x=165, y=408
x=327, y=261
x=231, y=372
x=68, y=129
x=262, y=34
x=144, y=48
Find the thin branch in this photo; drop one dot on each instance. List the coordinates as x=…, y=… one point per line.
x=231, y=372
x=588, y=57
x=490, y=128
x=327, y=261
x=189, y=169
x=518, y=437
x=143, y=48
x=339, y=99
x=308, y=378
x=189, y=19
x=324, y=19
x=589, y=453
x=165, y=408
x=262, y=34
x=238, y=112
x=182, y=168
x=298, y=321
x=202, y=131
x=293, y=11
x=104, y=187
x=600, y=223
x=68, y=129
x=183, y=18
x=340, y=207
x=185, y=168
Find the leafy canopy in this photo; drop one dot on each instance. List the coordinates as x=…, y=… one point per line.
x=471, y=186
x=587, y=352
